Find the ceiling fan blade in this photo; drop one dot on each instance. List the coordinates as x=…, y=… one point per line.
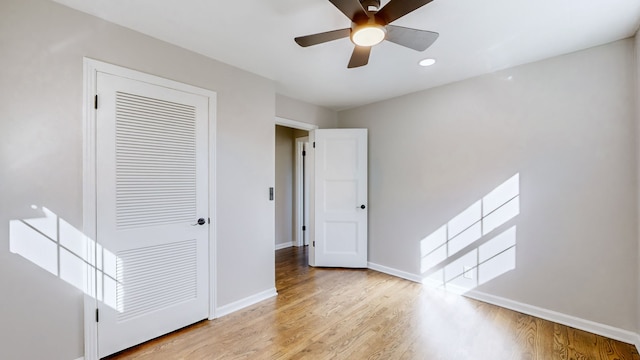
x=415, y=39
x=351, y=8
x=396, y=9
x=320, y=38
x=360, y=56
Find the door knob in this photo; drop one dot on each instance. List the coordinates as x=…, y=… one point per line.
x=362, y=206
x=201, y=221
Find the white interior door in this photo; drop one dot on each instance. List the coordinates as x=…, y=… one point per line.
x=152, y=187
x=339, y=198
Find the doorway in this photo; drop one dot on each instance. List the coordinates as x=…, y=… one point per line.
x=337, y=174
x=290, y=203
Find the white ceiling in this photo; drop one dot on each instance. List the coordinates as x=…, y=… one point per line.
x=476, y=37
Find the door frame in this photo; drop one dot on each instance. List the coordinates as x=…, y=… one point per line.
x=299, y=202
x=301, y=195
x=91, y=67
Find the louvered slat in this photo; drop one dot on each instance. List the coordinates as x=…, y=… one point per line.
x=155, y=161
x=156, y=277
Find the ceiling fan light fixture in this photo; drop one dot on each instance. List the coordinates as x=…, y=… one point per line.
x=368, y=35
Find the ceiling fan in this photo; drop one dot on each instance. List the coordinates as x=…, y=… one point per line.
x=370, y=26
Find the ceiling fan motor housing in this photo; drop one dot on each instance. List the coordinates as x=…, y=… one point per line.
x=371, y=6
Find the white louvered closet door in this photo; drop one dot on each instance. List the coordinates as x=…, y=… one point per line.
x=152, y=187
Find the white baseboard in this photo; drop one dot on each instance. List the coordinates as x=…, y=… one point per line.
x=286, y=245
x=243, y=303
x=394, y=272
x=80, y=358
x=564, y=319
x=637, y=342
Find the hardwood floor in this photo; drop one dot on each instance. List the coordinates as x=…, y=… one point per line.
x=364, y=314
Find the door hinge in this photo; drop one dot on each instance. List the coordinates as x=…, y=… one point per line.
x=208, y=220
x=314, y=143
x=304, y=228
x=304, y=153
x=95, y=102
x=97, y=315
x=314, y=243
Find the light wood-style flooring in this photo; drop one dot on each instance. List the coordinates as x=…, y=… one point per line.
x=364, y=314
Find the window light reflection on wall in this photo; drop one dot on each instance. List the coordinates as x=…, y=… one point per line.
x=64, y=251
x=466, y=252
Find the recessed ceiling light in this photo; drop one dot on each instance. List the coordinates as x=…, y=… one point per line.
x=427, y=62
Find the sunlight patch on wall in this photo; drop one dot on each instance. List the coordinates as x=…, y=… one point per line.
x=64, y=251
x=465, y=252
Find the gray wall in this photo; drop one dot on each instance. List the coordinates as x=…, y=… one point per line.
x=293, y=109
x=567, y=126
x=42, y=46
